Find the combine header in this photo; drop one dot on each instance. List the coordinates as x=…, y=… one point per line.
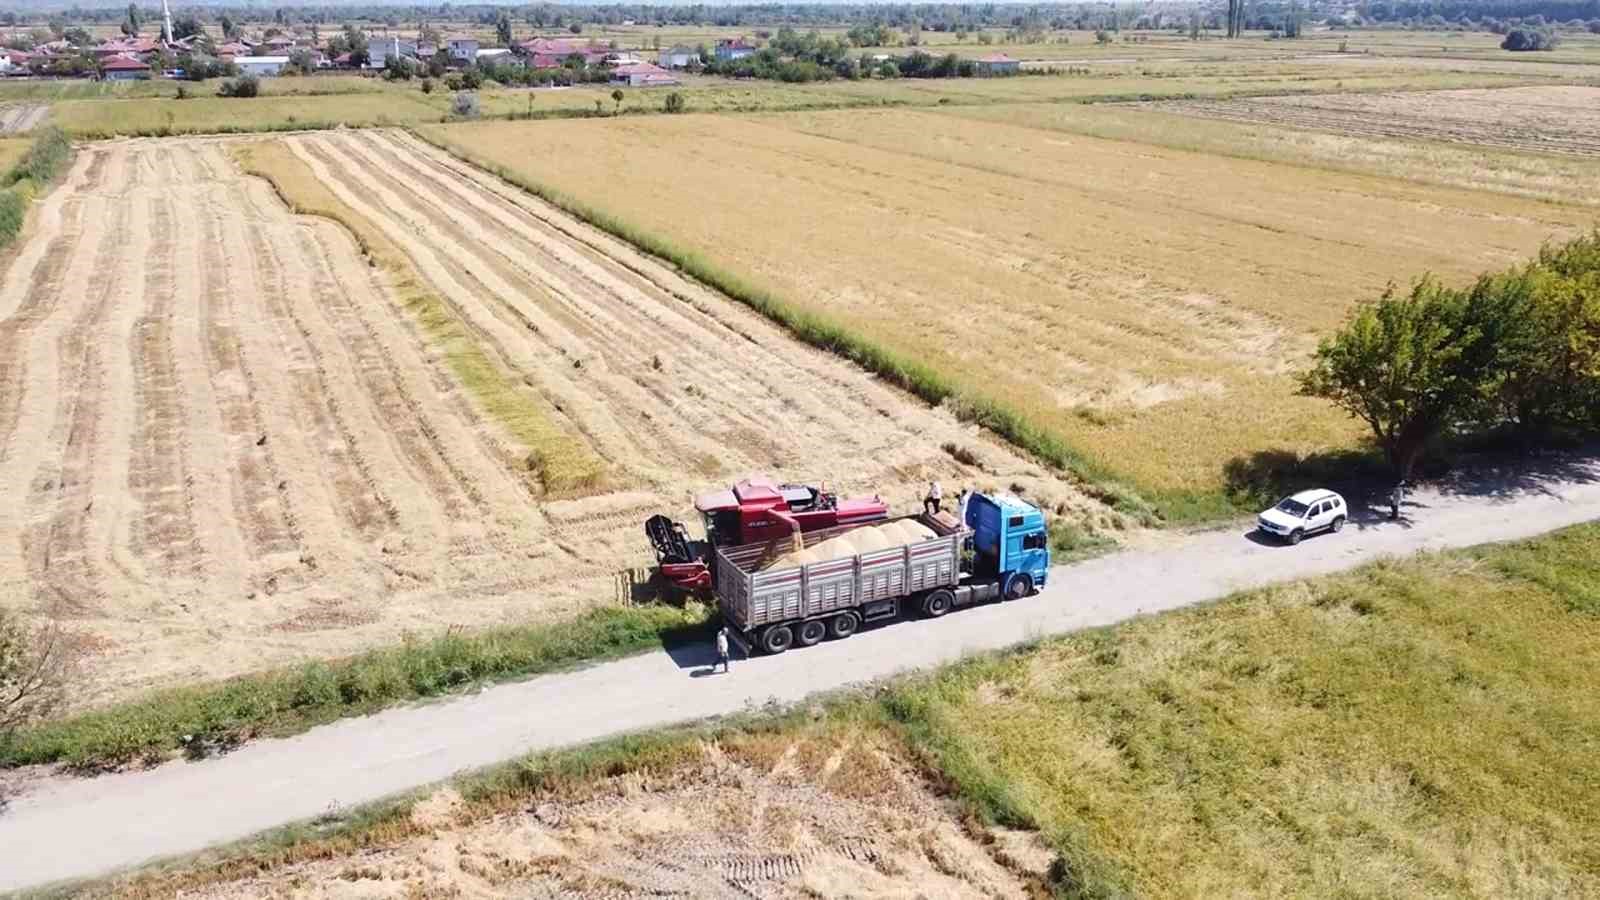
x=754, y=511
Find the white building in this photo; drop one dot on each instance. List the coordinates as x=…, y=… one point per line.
x=679, y=57
x=260, y=66
x=463, y=50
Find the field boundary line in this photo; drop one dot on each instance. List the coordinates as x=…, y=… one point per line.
x=821, y=331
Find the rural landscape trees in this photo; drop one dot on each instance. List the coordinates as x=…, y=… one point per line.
x=1517, y=351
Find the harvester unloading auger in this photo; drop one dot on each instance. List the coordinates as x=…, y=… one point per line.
x=752, y=511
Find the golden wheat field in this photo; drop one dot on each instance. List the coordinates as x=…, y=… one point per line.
x=1149, y=305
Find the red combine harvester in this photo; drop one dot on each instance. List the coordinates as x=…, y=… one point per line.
x=755, y=510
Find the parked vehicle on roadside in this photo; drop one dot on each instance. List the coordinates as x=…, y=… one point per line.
x=1307, y=512
x=774, y=596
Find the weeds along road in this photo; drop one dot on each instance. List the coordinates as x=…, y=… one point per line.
x=77, y=828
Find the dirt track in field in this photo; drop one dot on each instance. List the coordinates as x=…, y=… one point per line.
x=1545, y=119
x=223, y=446
x=16, y=118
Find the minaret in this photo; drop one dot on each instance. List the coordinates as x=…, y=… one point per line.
x=166, y=22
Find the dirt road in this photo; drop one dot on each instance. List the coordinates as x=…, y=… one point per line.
x=82, y=827
x=224, y=446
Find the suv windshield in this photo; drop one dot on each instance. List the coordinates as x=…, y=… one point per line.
x=1292, y=506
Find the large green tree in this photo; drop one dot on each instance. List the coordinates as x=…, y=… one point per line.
x=1409, y=366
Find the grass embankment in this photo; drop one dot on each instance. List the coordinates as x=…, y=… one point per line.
x=1414, y=728
x=824, y=332
x=39, y=165
x=562, y=464
x=210, y=717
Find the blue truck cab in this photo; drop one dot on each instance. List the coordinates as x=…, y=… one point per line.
x=1010, y=542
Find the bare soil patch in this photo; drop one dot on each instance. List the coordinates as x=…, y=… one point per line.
x=224, y=446
x=1563, y=119
x=764, y=817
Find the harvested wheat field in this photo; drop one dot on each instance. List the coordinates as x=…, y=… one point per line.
x=225, y=444
x=760, y=817
x=1146, y=304
x=1558, y=119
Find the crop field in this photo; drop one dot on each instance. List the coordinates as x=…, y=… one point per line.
x=229, y=441
x=1146, y=305
x=1553, y=119
x=1567, y=178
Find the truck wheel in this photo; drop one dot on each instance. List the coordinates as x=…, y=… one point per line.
x=938, y=603
x=1295, y=536
x=1338, y=525
x=777, y=639
x=811, y=632
x=1020, y=585
x=843, y=625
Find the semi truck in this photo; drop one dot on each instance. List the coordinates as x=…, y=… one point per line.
x=1000, y=550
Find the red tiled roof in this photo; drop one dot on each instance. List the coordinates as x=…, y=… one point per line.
x=124, y=64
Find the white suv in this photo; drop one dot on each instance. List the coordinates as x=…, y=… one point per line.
x=1308, y=511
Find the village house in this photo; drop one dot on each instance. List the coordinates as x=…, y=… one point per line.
x=679, y=57
x=642, y=75
x=125, y=68
x=737, y=48
x=996, y=64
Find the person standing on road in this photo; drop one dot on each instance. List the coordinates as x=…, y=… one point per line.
x=1397, y=497
x=722, y=649
x=930, y=503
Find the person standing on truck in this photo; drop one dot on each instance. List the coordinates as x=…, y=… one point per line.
x=962, y=499
x=930, y=503
x=722, y=650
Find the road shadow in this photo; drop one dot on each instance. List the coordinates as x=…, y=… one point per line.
x=1505, y=477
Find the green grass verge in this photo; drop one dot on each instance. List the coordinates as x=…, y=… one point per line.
x=41, y=165
x=821, y=331
x=1413, y=728
x=206, y=718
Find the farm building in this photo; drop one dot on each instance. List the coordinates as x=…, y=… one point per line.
x=463, y=50
x=125, y=68
x=260, y=66
x=679, y=57
x=642, y=75
x=997, y=64
x=737, y=48
x=493, y=56
x=378, y=52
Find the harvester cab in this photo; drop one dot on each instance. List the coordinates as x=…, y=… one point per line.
x=752, y=511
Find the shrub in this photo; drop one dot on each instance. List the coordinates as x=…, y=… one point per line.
x=33, y=673
x=1530, y=39
x=243, y=86
x=427, y=85
x=464, y=104
x=675, y=103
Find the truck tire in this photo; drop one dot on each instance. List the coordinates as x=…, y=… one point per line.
x=811, y=632
x=843, y=625
x=1020, y=585
x=938, y=603
x=776, y=639
x=1296, y=536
